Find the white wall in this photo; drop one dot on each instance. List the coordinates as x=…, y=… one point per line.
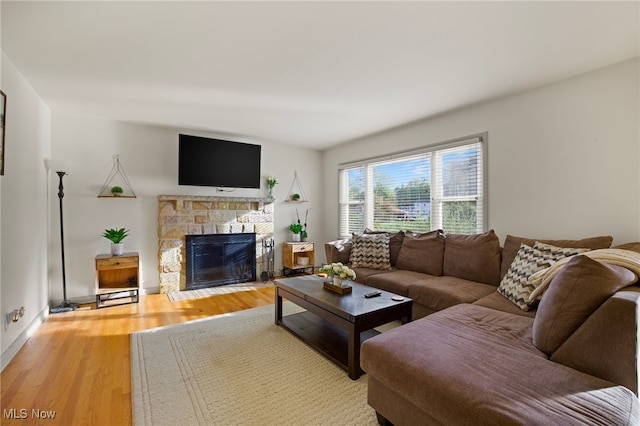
x=563, y=159
x=149, y=158
x=23, y=190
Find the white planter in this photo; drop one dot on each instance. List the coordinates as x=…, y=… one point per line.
x=117, y=249
x=295, y=237
x=337, y=281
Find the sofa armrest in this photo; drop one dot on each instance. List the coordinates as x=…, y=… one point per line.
x=338, y=250
x=607, y=343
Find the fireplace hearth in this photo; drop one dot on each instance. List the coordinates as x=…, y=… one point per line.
x=220, y=259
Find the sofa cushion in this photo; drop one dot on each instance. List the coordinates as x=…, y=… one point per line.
x=397, y=281
x=473, y=257
x=614, y=329
x=395, y=243
x=474, y=365
x=422, y=252
x=439, y=293
x=515, y=286
x=500, y=303
x=370, y=251
x=629, y=246
x=512, y=245
x=580, y=287
x=362, y=274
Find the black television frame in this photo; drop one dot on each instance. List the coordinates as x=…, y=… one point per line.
x=221, y=163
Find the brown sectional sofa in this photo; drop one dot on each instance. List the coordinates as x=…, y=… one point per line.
x=472, y=357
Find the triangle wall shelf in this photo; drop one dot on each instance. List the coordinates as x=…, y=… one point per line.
x=296, y=189
x=117, y=173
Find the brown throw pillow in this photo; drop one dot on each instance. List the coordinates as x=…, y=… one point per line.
x=473, y=257
x=512, y=245
x=580, y=287
x=422, y=252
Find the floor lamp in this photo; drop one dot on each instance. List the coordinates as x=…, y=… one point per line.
x=65, y=306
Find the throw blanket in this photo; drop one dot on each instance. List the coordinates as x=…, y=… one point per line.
x=625, y=258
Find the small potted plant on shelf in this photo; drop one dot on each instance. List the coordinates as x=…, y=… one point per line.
x=116, y=236
x=116, y=191
x=295, y=197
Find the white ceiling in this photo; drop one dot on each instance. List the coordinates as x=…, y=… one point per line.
x=312, y=74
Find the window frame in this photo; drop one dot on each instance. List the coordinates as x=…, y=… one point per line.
x=437, y=198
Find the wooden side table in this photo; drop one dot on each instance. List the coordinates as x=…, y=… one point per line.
x=117, y=279
x=291, y=254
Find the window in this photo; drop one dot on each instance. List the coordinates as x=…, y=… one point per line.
x=437, y=187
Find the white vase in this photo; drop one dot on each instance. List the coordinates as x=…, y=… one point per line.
x=337, y=281
x=295, y=237
x=117, y=249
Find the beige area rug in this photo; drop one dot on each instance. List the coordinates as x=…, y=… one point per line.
x=240, y=369
x=178, y=295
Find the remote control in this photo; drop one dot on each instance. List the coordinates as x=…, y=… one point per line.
x=372, y=294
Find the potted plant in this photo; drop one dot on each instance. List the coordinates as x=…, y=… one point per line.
x=116, y=191
x=295, y=229
x=295, y=197
x=116, y=236
x=339, y=273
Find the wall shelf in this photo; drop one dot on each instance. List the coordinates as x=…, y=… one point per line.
x=300, y=191
x=117, y=171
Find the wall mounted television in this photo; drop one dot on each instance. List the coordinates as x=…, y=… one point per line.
x=216, y=162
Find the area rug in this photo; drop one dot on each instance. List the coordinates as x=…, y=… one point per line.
x=178, y=295
x=239, y=369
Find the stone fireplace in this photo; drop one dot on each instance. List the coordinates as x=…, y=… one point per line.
x=181, y=215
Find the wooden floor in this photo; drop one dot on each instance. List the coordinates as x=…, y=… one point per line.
x=77, y=364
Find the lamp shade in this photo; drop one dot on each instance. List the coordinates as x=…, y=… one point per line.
x=57, y=165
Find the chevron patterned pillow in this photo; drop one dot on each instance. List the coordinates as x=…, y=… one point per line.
x=515, y=285
x=370, y=251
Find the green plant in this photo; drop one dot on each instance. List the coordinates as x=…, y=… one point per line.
x=115, y=235
x=117, y=190
x=295, y=197
x=296, y=228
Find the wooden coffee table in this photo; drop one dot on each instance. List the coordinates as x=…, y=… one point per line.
x=334, y=324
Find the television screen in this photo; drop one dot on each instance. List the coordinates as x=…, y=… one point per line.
x=216, y=162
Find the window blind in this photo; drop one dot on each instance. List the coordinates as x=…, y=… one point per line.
x=436, y=187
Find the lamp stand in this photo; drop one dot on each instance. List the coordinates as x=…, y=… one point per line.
x=65, y=306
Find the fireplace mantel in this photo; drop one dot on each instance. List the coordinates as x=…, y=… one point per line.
x=207, y=198
x=180, y=215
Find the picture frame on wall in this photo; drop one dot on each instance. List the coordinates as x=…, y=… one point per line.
x=3, y=109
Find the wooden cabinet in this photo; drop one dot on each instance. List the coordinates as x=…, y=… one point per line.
x=294, y=255
x=117, y=279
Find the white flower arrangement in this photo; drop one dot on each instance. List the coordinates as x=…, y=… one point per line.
x=272, y=181
x=339, y=270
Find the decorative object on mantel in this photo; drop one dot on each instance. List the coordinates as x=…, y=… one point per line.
x=339, y=277
x=116, y=236
x=271, y=182
x=107, y=190
x=297, y=196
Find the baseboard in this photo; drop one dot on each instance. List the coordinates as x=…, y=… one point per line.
x=17, y=344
